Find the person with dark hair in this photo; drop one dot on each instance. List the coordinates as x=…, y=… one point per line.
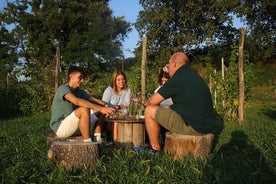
x=72, y=107
x=192, y=112
x=162, y=79
x=117, y=96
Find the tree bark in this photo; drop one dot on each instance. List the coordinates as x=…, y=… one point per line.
x=52, y=138
x=74, y=154
x=181, y=145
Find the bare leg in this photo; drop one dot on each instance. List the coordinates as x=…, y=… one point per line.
x=152, y=127
x=84, y=124
x=99, y=124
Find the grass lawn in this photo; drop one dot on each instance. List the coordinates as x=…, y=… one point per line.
x=242, y=154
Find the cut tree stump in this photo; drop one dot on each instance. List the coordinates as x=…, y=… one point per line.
x=52, y=138
x=74, y=154
x=180, y=145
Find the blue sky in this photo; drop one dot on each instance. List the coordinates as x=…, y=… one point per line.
x=130, y=10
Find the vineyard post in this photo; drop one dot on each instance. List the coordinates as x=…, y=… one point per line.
x=143, y=70
x=241, y=76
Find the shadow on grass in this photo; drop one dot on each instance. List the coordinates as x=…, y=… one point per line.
x=218, y=127
x=270, y=111
x=238, y=162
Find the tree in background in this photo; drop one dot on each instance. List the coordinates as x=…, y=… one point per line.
x=85, y=32
x=260, y=17
x=182, y=25
x=206, y=25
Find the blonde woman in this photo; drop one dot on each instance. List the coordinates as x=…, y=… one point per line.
x=117, y=96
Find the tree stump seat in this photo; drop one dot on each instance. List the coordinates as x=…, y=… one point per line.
x=71, y=153
x=180, y=145
x=52, y=138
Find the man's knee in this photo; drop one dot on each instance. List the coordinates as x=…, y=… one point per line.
x=82, y=111
x=150, y=111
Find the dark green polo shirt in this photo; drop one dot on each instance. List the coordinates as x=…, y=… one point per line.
x=61, y=107
x=191, y=98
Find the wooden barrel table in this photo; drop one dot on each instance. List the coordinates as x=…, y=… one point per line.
x=130, y=130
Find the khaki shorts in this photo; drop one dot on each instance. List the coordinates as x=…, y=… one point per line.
x=68, y=126
x=173, y=122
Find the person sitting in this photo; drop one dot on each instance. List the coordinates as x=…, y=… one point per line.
x=192, y=112
x=72, y=106
x=162, y=79
x=117, y=96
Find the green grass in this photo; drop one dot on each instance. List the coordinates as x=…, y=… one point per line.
x=242, y=154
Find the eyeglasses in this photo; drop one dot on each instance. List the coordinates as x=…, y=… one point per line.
x=80, y=77
x=166, y=68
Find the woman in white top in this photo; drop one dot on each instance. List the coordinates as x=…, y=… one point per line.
x=117, y=95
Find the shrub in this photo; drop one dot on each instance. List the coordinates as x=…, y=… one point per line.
x=225, y=91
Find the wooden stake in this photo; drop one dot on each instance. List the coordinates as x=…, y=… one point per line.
x=241, y=76
x=57, y=65
x=143, y=69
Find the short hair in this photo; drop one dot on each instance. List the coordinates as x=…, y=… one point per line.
x=161, y=75
x=115, y=74
x=74, y=69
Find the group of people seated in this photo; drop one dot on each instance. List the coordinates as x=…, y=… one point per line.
x=182, y=104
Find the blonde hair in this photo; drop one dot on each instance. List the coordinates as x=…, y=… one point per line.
x=115, y=74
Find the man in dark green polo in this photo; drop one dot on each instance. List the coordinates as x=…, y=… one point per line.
x=192, y=112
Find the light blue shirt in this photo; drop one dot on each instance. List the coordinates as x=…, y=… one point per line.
x=112, y=99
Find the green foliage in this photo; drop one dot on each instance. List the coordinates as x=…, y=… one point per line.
x=8, y=105
x=183, y=25
x=134, y=79
x=225, y=91
x=11, y=96
x=172, y=26
x=261, y=21
x=265, y=85
x=96, y=87
x=33, y=104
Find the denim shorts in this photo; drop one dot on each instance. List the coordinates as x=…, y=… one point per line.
x=173, y=122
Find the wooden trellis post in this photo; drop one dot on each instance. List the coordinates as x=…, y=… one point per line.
x=57, y=65
x=222, y=75
x=143, y=69
x=241, y=76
